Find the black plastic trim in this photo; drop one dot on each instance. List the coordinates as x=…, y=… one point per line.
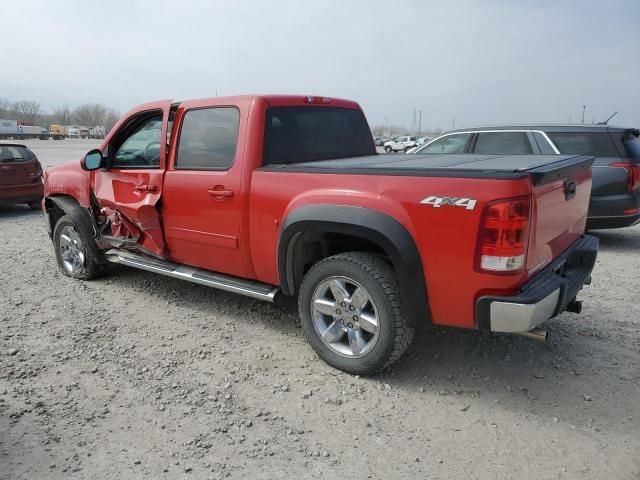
x=569, y=273
x=383, y=230
x=80, y=215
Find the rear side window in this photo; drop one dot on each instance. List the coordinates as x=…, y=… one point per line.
x=309, y=134
x=598, y=144
x=503, y=143
x=208, y=139
x=11, y=153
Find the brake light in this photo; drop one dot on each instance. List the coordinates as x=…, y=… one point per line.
x=633, y=174
x=503, y=236
x=316, y=100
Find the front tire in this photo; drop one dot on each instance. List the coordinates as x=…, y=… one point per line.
x=352, y=313
x=76, y=251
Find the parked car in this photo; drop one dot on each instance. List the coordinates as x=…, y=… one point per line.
x=20, y=176
x=400, y=144
x=615, y=197
x=380, y=141
x=285, y=195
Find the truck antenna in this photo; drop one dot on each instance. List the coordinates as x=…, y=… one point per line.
x=607, y=120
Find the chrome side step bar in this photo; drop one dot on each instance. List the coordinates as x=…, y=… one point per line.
x=250, y=288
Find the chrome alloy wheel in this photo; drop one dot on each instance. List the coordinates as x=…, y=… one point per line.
x=345, y=317
x=71, y=250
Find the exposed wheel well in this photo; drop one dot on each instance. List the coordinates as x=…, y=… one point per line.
x=308, y=248
x=59, y=205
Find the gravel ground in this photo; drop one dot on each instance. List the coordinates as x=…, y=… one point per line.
x=141, y=376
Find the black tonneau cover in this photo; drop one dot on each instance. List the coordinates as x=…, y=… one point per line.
x=542, y=168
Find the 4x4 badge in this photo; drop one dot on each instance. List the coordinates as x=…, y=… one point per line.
x=437, y=202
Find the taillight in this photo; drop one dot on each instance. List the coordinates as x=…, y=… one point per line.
x=633, y=174
x=504, y=236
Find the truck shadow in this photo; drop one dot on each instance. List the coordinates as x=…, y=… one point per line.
x=455, y=367
x=16, y=211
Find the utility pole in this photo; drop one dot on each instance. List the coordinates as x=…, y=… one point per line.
x=453, y=124
x=584, y=107
x=386, y=125
x=419, y=122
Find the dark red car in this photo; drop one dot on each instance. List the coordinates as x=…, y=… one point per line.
x=20, y=176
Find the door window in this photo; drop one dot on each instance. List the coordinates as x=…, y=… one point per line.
x=503, y=143
x=450, y=144
x=208, y=139
x=141, y=148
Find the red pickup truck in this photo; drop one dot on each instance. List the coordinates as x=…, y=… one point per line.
x=285, y=195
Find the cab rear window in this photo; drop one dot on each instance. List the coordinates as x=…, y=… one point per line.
x=14, y=153
x=309, y=134
x=598, y=144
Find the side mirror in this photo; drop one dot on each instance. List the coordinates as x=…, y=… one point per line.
x=93, y=160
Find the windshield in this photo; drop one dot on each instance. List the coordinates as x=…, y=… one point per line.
x=13, y=153
x=309, y=134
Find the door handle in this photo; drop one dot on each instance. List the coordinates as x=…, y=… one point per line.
x=145, y=188
x=220, y=192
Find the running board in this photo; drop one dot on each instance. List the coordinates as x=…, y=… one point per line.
x=250, y=288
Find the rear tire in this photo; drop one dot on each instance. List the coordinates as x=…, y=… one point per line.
x=362, y=328
x=76, y=251
x=388, y=149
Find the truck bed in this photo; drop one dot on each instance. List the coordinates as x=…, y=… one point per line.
x=542, y=168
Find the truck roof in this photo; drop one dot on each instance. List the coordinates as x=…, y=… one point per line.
x=547, y=127
x=277, y=100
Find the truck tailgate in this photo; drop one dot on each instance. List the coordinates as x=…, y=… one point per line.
x=560, y=198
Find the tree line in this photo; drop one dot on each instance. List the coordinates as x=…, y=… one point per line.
x=31, y=112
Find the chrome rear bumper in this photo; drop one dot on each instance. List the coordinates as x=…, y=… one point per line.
x=549, y=293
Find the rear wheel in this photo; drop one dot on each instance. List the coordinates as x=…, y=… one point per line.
x=352, y=313
x=388, y=149
x=76, y=251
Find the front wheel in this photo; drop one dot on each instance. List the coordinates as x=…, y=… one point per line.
x=352, y=313
x=76, y=251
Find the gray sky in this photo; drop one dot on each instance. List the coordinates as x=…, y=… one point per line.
x=482, y=62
